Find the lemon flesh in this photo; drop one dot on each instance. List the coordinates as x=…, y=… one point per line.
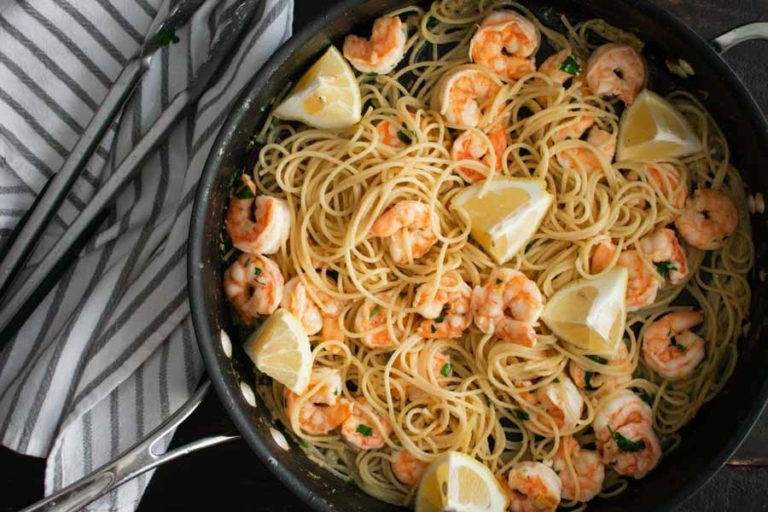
x=327, y=96
x=455, y=481
x=506, y=215
x=590, y=313
x=651, y=128
x=280, y=348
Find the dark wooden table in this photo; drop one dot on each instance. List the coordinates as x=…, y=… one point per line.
x=230, y=477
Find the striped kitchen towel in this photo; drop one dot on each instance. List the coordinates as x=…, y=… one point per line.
x=110, y=352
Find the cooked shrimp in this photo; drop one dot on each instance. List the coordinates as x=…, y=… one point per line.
x=670, y=183
x=446, y=311
x=563, y=403
x=504, y=43
x=642, y=286
x=585, y=481
x=254, y=286
x=553, y=66
x=407, y=468
x=407, y=228
x=322, y=409
x=470, y=146
x=665, y=251
x=618, y=410
x=361, y=430
x=533, y=487
x=670, y=348
x=383, y=51
x=464, y=94
x=633, y=450
x=592, y=380
x=508, y=305
x=708, y=219
x=603, y=141
x=388, y=133
x=616, y=70
x=311, y=312
x=574, y=129
x=371, y=322
x=268, y=232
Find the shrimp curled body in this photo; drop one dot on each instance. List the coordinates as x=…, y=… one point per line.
x=271, y=228
x=508, y=306
x=670, y=348
x=383, y=51
x=407, y=228
x=254, y=286
x=504, y=43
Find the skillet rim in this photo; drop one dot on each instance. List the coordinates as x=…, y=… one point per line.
x=230, y=394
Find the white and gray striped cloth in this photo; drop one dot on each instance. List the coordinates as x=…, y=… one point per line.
x=111, y=351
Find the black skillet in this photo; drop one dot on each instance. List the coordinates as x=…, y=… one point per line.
x=708, y=441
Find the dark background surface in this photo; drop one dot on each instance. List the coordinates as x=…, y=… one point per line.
x=230, y=477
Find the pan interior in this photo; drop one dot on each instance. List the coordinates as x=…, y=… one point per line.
x=708, y=440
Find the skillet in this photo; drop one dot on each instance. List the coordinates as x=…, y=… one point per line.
x=720, y=426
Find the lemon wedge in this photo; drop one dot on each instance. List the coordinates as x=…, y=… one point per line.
x=651, y=128
x=455, y=481
x=327, y=96
x=280, y=348
x=507, y=215
x=590, y=313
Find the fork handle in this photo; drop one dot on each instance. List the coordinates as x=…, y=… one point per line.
x=130, y=464
x=29, y=229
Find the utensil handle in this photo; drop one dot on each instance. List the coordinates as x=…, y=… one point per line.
x=137, y=460
x=738, y=35
x=25, y=297
x=31, y=226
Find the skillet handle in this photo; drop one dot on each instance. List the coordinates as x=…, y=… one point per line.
x=738, y=35
x=130, y=464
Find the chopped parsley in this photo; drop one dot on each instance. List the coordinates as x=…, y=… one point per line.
x=681, y=348
x=244, y=192
x=588, y=381
x=522, y=415
x=247, y=261
x=432, y=328
x=439, y=320
x=256, y=270
x=404, y=137
x=624, y=444
x=570, y=66
x=432, y=22
x=372, y=73
x=166, y=36
x=664, y=268
x=446, y=369
x=598, y=359
x=364, y=430
x=335, y=392
x=374, y=311
x=556, y=381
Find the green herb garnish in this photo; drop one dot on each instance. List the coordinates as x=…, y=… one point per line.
x=570, y=66
x=588, y=381
x=556, y=381
x=664, y=268
x=439, y=320
x=256, y=271
x=598, y=359
x=374, y=311
x=244, y=192
x=166, y=36
x=446, y=370
x=681, y=348
x=404, y=137
x=364, y=429
x=247, y=261
x=372, y=73
x=432, y=328
x=626, y=445
x=522, y=415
